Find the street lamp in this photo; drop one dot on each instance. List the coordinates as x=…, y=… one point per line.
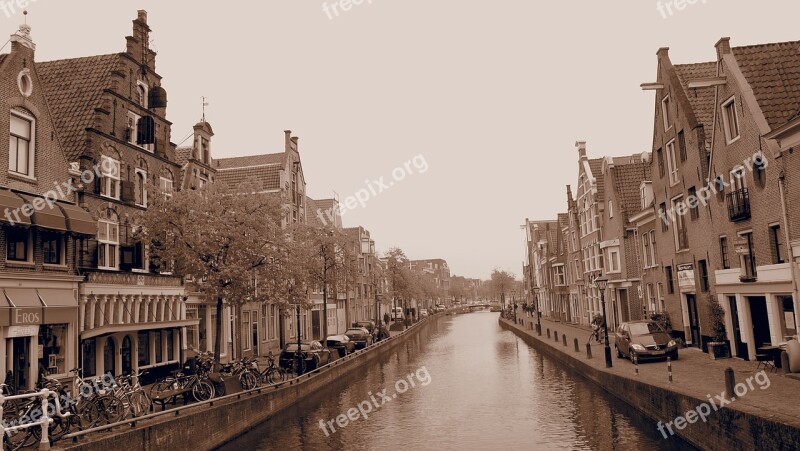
x=601, y=283
x=538, y=311
x=514, y=304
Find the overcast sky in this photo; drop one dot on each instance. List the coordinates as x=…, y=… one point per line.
x=489, y=96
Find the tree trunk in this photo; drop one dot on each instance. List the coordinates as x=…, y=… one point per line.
x=218, y=327
x=325, y=309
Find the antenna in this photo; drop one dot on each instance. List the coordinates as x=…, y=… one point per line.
x=25, y=13
x=205, y=104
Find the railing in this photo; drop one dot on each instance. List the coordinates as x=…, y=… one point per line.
x=75, y=436
x=43, y=422
x=739, y=205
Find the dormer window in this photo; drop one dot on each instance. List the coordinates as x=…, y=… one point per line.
x=21, y=149
x=205, y=152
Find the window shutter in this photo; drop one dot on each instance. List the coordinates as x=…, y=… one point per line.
x=127, y=259
x=128, y=191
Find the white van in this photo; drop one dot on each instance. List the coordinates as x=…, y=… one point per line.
x=396, y=314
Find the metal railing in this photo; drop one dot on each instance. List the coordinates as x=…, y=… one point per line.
x=44, y=421
x=75, y=436
x=739, y=205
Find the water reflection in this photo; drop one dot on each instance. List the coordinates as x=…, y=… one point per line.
x=488, y=390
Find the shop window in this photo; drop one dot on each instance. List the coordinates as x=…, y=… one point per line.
x=53, y=338
x=159, y=350
x=144, y=348
x=787, y=321
x=88, y=357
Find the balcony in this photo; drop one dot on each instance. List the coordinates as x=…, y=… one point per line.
x=739, y=205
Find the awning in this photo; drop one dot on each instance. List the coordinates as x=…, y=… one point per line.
x=79, y=220
x=135, y=327
x=53, y=297
x=11, y=203
x=45, y=214
x=23, y=297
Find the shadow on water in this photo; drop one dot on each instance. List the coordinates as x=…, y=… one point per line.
x=487, y=390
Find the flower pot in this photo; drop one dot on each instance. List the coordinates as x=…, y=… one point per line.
x=719, y=350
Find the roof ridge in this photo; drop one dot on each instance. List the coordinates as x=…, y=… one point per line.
x=765, y=44
x=79, y=58
x=247, y=167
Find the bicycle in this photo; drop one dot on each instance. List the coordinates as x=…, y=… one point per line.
x=243, y=368
x=273, y=373
x=134, y=398
x=96, y=406
x=181, y=384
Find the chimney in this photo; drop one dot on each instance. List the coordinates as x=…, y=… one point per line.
x=287, y=140
x=723, y=47
x=663, y=52
x=22, y=38
x=581, y=145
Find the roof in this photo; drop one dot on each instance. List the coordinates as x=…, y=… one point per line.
x=700, y=99
x=563, y=220
x=250, y=160
x=268, y=177
x=627, y=180
x=596, y=166
x=183, y=154
x=73, y=88
x=312, y=218
x=773, y=72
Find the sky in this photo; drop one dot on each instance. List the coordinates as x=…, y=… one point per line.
x=457, y=117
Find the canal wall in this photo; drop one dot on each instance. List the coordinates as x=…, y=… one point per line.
x=208, y=426
x=726, y=429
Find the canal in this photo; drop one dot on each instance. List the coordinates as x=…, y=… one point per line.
x=467, y=385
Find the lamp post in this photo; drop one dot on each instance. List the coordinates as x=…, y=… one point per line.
x=514, y=304
x=601, y=283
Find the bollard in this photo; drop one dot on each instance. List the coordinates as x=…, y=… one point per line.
x=577, y=348
x=555, y=335
x=730, y=382
x=548, y=332
x=564, y=339
x=784, y=362
x=588, y=351
x=669, y=368
x=636, y=364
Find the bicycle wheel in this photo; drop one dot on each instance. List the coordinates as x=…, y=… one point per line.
x=20, y=439
x=111, y=409
x=88, y=414
x=140, y=403
x=247, y=380
x=276, y=375
x=298, y=366
x=160, y=387
x=203, y=391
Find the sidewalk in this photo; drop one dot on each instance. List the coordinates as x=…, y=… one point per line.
x=694, y=373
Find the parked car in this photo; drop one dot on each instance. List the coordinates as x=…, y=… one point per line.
x=369, y=325
x=342, y=344
x=314, y=354
x=397, y=314
x=360, y=336
x=644, y=340
x=423, y=313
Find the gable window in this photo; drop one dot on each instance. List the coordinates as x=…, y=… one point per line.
x=730, y=120
x=610, y=209
x=21, y=144
x=205, y=153
x=682, y=145
x=665, y=112
x=672, y=163
x=108, y=243
x=679, y=226
x=776, y=243
x=52, y=248
x=141, y=187
x=18, y=247
x=132, y=131
x=723, y=250
x=166, y=186
x=109, y=183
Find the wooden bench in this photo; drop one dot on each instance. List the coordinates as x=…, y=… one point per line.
x=171, y=396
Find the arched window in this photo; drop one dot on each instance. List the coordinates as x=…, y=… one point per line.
x=166, y=184
x=109, y=357
x=140, y=181
x=108, y=241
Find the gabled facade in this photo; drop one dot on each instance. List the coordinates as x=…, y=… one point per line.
x=590, y=206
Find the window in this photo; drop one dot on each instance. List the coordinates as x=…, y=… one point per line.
x=730, y=120
x=723, y=250
x=660, y=158
x=682, y=145
x=660, y=293
x=665, y=112
x=776, y=244
x=672, y=163
x=144, y=348
x=166, y=186
x=245, y=331
x=109, y=183
x=170, y=345
x=273, y=319
x=670, y=282
x=694, y=210
x=662, y=213
x=141, y=187
x=141, y=94
x=787, y=319
x=51, y=248
x=157, y=344
x=613, y=259
x=653, y=247
x=610, y=209
x=53, y=340
x=108, y=243
x=265, y=322
x=646, y=252
x=21, y=144
x=748, y=259
x=132, y=131
x=205, y=153
x=703, y=266
x=737, y=179
x=679, y=226
x=651, y=299
x=560, y=277
x=18, y=247
x=88, y=357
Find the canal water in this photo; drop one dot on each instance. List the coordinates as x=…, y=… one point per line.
x=466, y=384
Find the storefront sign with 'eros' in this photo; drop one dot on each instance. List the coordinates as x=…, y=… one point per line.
x=25, y=316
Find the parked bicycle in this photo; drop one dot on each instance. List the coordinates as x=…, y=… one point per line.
x=273, y=373
x=135, y=400
x=243, y=369
x=96, y=403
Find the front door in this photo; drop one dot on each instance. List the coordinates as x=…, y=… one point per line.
x=316, y=324
x=623, y=304
x=694, y=322
x=758, y=313
x=741, y=348
x=22, y=347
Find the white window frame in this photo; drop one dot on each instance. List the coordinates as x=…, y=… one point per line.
x=110, y=184
x=144, y=100
x=111, y=246
x=614, y=265
x=678, y=224
x=141, y=172
x=730, y=105
x=31, y=145
x=560, y=275
x=62, y=262
x=163, y=183
x=245, y=331
x=738, y=181
x=672, y=163
x=665, y=103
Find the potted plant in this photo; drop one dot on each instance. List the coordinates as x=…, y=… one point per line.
x=718, y=348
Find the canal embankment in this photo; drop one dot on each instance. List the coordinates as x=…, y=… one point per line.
x=765, y=416
x=211, y=424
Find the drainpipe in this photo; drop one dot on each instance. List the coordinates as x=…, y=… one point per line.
x=782, y=185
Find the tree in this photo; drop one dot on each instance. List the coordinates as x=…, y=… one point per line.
x=229, y=239
x=501, y=283
x=401, y=287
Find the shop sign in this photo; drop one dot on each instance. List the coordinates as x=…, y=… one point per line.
x=686, y=277
x=26, y=316
x=740, y=247
x=22, y=331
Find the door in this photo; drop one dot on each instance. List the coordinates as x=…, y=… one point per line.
x=127, y=355
x=694, y=322
x=108, y=357
x=741, y=348
x=22, y=347
x=623, y=304
x=758, y=313
x=316, y=324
